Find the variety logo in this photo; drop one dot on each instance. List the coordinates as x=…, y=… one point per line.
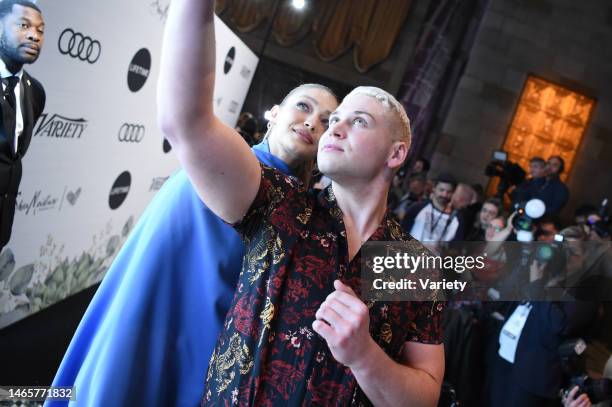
x=139, y=70
x=166, y=146
x=119, y=190
x=245, y=72
x=79, y=46
x=233, y=108
x=157, y=183
x=131, y=133
x=229, y=60
x=42, y=201
x=60, y=126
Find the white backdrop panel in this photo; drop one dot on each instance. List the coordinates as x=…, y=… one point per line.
x=74, y=210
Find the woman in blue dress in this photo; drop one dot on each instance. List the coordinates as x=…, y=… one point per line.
x=148, y=334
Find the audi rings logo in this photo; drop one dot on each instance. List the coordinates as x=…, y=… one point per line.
x=79, y=46
x=131, y=133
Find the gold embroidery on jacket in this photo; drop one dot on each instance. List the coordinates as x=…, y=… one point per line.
x=305, y=216
x=278, y=253
x=256, y=260
x=266, y=316
x=235, y=353
x=386, y=333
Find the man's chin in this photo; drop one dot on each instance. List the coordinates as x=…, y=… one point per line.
x=30, y=60
x=26, y=58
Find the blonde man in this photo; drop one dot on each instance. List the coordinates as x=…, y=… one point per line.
x=297, y=332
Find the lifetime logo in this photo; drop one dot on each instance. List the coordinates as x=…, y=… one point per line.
x=131, y=133
x=139, y=69
x=120, y=189
x=79, y=46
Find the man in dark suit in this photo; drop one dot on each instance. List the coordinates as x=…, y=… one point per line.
x=21, y=39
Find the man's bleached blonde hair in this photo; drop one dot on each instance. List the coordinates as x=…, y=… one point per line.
x=400, y=125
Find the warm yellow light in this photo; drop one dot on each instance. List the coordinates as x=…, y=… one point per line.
x=550, y=120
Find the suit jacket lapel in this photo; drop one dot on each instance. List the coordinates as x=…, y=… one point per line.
x=8, y=124
x=27, y=112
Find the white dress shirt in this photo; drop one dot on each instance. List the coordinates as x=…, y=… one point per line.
x=4, y=73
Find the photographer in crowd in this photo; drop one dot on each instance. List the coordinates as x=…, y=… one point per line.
x=544, y=184
x=531, y=373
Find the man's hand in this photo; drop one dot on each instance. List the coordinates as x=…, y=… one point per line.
x=581, y=401
x=343, y=321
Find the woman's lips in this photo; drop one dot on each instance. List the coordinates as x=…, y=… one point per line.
x=305, y=136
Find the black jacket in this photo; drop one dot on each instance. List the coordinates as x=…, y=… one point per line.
x=32, y=105
x=551, y=190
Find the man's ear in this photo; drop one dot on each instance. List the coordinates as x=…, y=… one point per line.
x=399, y=152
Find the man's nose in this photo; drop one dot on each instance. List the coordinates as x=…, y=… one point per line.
x=34, y=35
x=337, y=130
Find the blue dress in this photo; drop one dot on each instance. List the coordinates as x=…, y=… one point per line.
x=149, y=331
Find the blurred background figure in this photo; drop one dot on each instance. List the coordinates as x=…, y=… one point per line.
x=415, y=193
x=490, y=209
x=544, y=184
x=434, y=220
x=546, y=229
x=420, y=167
x=248, y=127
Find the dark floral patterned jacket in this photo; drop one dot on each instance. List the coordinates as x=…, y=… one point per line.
x=296, y=247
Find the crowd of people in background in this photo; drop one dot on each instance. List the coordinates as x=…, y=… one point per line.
x=439, y=208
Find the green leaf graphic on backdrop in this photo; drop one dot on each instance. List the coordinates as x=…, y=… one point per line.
x=7, y=264
x=66, y=278
x=21, y=278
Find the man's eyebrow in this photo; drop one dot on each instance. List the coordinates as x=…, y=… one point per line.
x=27, y=20
x=335, y=112
x=366, y=113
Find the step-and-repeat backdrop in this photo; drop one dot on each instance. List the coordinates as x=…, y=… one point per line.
x=97, y=157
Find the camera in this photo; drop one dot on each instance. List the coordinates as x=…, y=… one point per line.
x=597, y=390
x=600, y=222
x=509, y=173
x=526, y=213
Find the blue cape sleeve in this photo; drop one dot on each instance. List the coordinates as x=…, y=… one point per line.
x=148, y=334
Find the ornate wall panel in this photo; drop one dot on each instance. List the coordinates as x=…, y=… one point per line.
x=550, y=120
